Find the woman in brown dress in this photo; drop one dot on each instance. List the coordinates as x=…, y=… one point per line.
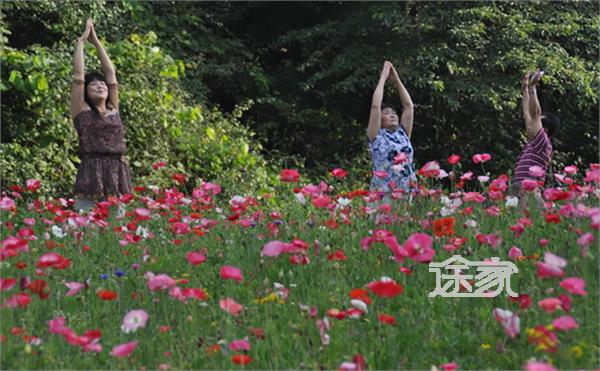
x=103, y=170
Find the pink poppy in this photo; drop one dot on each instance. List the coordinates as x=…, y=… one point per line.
x=195, y=257
x=339, y=173
x=549, y=305
x=400, y=158
x=321, y=201
x=276, y=248
x=480, y=158
x=7, y=204
x=238, y=345
x=74, y=288
x=124, y=350
x=418, y=247
x=160, y=282
x=536, y=171
x=380, y=174
x=552, y=266
x=509, y=321
x=515, y=253
x=7, y=283
x=473, y=197
x=57, y=326
x=571, y=170
x=539, y=366
x=431, y=169
x=452, y=366
x=574, y=285
x=565, y=301
x=529, y=185
x=592, y=175
x=453, y=159
x=52, y=259
x=20, y=300
x=565, y=323
x=467, y=176
x=142, y=213
x=231, y=273
x=33, y=184
x=324, y=325
x=585, y=239
x=231, y=306
x=557, y=194
x=194, y=293
x=348, y=366
x=180, y=228
x=134, y=320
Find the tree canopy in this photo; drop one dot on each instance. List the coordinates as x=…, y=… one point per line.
x=300, y=75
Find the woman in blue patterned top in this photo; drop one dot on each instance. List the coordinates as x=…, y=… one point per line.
x=389, y=138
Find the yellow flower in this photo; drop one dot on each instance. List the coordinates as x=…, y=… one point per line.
x=486, y=346
x=267, y=299
x=577, y=351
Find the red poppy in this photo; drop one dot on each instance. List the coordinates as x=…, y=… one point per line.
x=164, y=329
x=39, y=288
x=211, y=350
x=241, y=359
x=179, y=178
x=258, y=333
x=444, y=227
x=387, y=319
x=289, y=175
x=453, y=159
x=386, y=289
x=524, y=300
x=552, y=218
x=360, y=294
x=107, y=295
x=337, y=255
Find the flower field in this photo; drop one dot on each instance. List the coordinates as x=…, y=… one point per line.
x=305, y=277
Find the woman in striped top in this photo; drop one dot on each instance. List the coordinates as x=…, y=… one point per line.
x=540, y=128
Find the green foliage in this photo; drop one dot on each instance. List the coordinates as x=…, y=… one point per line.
x=39, y=140
x=309, y=70
x=461, y=62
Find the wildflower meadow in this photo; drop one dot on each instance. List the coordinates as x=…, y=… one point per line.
x=308, y=276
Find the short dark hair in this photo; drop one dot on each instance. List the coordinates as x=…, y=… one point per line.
x=551, y=123
x=89, y=78
x=387, y=105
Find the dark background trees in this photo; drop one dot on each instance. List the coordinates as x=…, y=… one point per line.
x=303, y=72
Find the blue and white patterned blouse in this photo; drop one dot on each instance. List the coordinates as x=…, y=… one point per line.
x=387, y=145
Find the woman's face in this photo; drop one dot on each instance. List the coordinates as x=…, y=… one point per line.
x=97, y=90
x=389, y=118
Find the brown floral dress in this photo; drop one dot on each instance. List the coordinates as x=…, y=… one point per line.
x=103, y=170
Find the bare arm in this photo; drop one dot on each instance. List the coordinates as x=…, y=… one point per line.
x=535, y=110
x=107, y=68
x=406, y=119
x=375, y=116
x=77, y=88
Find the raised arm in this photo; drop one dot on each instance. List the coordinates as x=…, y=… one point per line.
x=525, y=98
x=77, y=87
x=406, y=119
x=535, y=110
x=375, y=116
x=108, y=69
